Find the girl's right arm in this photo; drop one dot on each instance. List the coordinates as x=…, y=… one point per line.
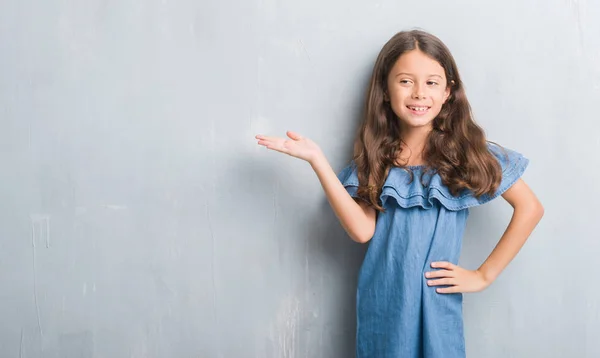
x=358, y=219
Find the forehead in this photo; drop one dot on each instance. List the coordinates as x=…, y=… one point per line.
x=417, y=63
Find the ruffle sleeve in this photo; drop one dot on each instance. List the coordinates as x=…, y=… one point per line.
x=406, y=193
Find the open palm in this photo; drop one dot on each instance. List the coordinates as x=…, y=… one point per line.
x=297, y=146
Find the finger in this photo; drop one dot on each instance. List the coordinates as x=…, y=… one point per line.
x=439, y=273
x=265, y=143
x=271, y=142
x=267, y=138
x=453, y=289
x=443, y=264
x=278, y=146
x=294, y=135
x=440, y=282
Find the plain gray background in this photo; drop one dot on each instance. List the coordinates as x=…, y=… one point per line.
x=138, y=217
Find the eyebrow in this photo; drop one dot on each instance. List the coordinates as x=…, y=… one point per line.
x=410, y=74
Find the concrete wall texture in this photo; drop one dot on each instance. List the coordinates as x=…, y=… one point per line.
x=138, y=217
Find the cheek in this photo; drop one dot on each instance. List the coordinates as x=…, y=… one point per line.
x=440, y=98
x=398, y=103
x=398, y=96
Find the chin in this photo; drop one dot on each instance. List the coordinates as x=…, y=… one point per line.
x=417, y=122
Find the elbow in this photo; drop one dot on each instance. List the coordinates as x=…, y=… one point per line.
x=534, y=210
x=363, y=237
x=541, y=211
x=538, y=210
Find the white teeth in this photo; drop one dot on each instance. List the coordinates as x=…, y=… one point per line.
x=419, y=109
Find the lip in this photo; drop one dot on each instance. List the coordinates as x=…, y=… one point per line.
x=418, y=113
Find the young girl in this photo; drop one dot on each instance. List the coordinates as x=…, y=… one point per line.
x=420, y=161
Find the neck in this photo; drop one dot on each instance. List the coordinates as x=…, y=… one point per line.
x=413, y=143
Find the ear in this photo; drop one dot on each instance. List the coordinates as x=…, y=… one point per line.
x=446, y=94
x=448, y=91
x=386, y=98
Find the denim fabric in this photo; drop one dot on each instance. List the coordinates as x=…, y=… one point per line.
x=398, y=315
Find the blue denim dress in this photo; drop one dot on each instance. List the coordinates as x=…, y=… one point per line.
x=398, y=315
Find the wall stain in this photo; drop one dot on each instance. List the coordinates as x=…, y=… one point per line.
x=213, y=272
x=41, y=222
x=282, y=333
x=578, y=8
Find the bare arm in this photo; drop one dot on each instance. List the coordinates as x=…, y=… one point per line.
x=358, y=219
x=528, y=211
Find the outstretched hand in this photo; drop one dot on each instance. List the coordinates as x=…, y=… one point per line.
x=297, y=146
x=457, y=278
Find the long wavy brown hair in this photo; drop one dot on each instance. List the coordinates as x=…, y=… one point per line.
x=456, y=147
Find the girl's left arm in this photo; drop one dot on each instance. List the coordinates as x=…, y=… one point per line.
x=528, y=211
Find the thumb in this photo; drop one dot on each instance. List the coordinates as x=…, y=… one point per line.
x=294, y=135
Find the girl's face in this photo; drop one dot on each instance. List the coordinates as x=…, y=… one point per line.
x=417, y=89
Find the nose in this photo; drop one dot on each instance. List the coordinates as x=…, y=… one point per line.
x=418, y=92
